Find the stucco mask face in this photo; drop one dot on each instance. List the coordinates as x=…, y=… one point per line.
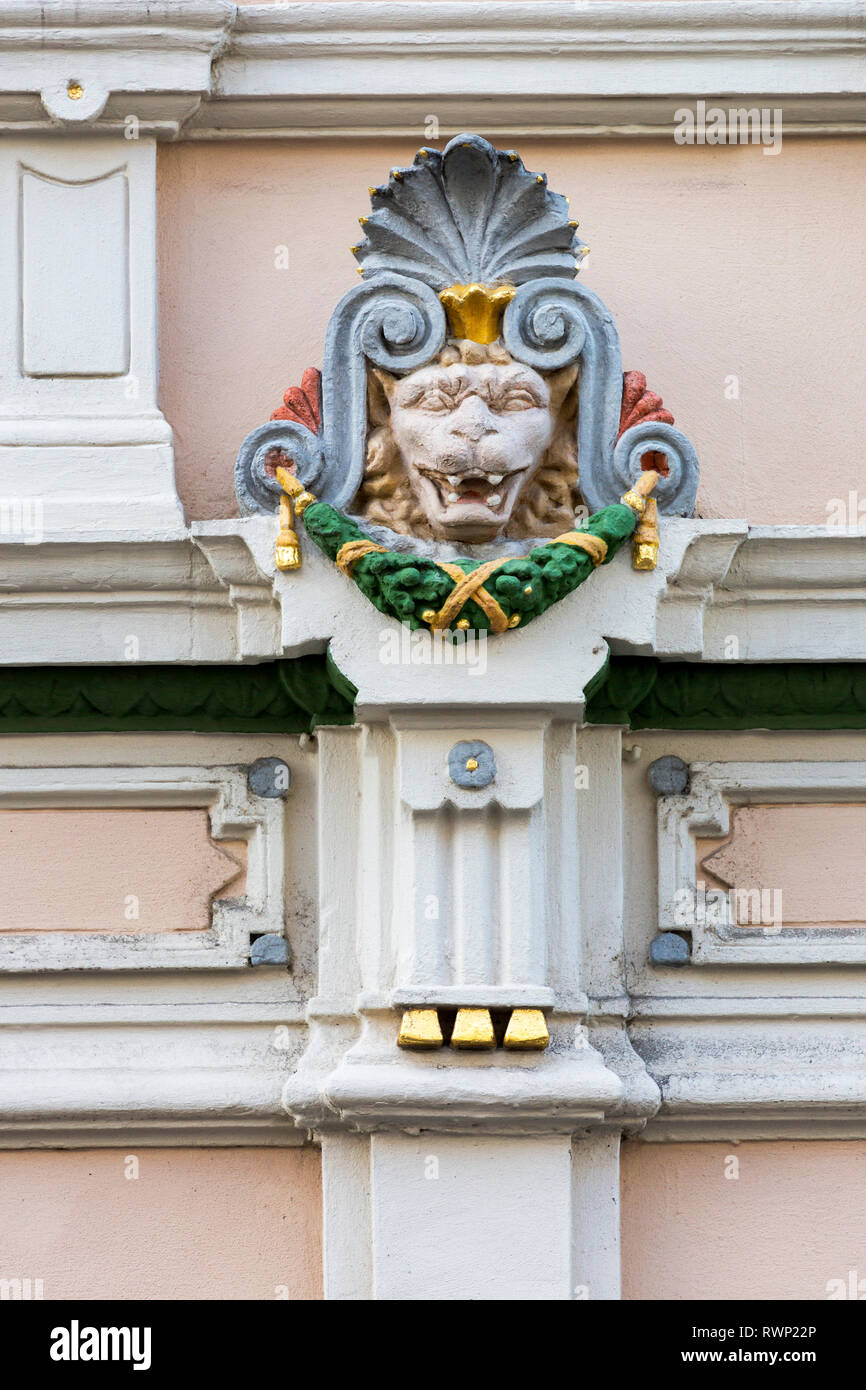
x=471, y=437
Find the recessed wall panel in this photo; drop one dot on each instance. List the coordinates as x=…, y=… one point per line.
x=74, y=276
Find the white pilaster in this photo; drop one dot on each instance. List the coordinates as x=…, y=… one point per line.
x=596, y=1266
x=471, y=1218
x=347, y=1234
x=83, y=444
x=454, y=1174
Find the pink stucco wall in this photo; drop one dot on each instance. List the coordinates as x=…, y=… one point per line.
x=811, y=857
x=246, y=1223
x=790, y=1224
x=195, y=1223
x=119, y=870
x=737, y=280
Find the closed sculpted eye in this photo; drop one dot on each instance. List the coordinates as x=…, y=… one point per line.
x=520, y=398
x=434, y=396
x=436, y=401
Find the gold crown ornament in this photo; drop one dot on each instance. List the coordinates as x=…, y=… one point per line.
x=475, y=311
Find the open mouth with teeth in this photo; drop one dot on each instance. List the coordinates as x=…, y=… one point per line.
x=491, y=492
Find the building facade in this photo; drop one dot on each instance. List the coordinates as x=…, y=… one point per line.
x=396, y=928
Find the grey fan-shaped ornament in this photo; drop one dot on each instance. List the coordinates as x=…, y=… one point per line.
x=468, y=214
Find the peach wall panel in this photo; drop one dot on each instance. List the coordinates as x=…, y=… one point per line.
x=117, y=871
x=194, y=1223
x=769, y=1219
x=812, y=856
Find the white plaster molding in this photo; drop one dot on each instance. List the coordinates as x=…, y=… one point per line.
x=756, y=1076
x=179, y=1082
x=705, y=810
x=234, y=814
x=390, y=844
x=687, y=609
x=83, y=444
x=151, y=62
x=69, y=601
x=211, y=594
x=597, y=68
x=783, y=593
x=382, y=67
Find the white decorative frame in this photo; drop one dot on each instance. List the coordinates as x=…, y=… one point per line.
x=714, y=788
x=235, y=813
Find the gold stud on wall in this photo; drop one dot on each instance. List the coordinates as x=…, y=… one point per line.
x=474, y=1029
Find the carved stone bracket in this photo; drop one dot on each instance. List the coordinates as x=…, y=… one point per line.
x=443, y=896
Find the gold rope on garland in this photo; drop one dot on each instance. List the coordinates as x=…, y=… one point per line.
x=349, y=554
x=467, y=586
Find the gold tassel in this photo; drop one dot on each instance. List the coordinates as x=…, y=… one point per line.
x=636, y=497
x=288, y=555
x=645, y=542
x=288, y=546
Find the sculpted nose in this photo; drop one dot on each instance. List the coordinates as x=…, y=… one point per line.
x=473, y=420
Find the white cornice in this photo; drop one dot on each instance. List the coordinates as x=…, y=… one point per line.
x=131, y=57
x=96, y=1077
x=210, y=594
x=209, y=70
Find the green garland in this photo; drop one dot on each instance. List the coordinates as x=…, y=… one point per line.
x=407, y=587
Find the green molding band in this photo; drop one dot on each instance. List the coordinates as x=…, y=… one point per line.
x=645, y=693
x=295, y=696
x=281, y=697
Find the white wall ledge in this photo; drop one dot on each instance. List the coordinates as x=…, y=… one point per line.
x=210, y=594
x=208, y=70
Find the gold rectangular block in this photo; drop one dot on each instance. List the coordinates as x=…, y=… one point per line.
x=473, y=1028
x=420, y=1028
x=527, y=1031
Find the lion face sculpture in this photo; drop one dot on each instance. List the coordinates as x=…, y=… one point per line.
x=472, y=447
